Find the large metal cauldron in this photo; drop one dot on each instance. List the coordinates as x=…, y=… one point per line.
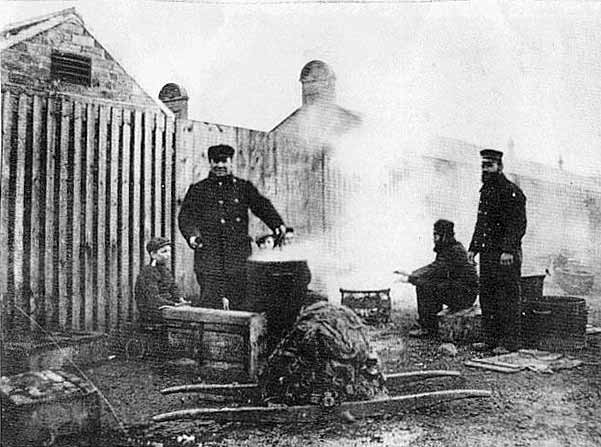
x=279, y=289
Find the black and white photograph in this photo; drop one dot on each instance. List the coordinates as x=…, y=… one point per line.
x=300, y=223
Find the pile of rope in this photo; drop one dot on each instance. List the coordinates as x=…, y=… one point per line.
x=325, y=359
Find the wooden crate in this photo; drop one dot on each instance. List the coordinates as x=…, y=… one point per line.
x=53, y=351
x=38, y=407
x=227, y=341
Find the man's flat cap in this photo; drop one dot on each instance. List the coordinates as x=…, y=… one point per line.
x=220, y=151
x=491, y=154
x=156, y=243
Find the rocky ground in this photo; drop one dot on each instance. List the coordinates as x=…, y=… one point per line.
x=526, y=409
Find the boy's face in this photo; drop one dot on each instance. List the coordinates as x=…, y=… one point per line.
x=267, y=243
x=162, y=255
x=288, y=238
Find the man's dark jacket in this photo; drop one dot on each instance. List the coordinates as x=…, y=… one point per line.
x=155, y=287
x=216, y=211
x=449, y=267
x=501, y=221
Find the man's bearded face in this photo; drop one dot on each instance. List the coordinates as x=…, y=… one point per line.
x=490, y=171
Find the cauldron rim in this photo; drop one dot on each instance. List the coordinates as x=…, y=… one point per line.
x=343, y=290
x=262, y=261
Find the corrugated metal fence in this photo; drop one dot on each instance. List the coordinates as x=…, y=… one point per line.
x=84, y=185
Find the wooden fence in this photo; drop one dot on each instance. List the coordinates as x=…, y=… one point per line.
x=84, y=186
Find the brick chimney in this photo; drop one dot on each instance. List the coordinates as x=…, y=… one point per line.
x=318, y=83
x=176, y=99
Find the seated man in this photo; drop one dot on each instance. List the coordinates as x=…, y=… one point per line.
x=449, y=280
x=155, y=286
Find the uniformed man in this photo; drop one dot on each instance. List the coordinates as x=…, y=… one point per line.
x=500, y=226
x=449, y=280
x=214, y=221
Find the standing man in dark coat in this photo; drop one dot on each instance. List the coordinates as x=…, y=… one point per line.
x=500, y=226
x=449, y=280
x=214, y=221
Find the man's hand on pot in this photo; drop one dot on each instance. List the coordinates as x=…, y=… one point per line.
x=470, y=257
x=404, y=276
x=506, y=259
x=194, y=242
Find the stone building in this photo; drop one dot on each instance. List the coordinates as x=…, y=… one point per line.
x=58, y=53
x=175, y=98
x=87, y=178
x=318, y=118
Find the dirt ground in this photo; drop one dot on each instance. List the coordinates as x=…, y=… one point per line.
x=526, y=408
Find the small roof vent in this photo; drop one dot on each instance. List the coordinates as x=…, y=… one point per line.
x=71, y=67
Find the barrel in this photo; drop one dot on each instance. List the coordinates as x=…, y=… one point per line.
x=278, y=289
x=555, y=323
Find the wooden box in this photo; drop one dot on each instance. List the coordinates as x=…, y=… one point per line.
x=220, y=340
x=53, y=351
x=38, y=407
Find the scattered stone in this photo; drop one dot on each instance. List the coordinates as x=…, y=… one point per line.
x=186, y=439
x=448, y=349
x=348, y=417
x=183, y=362
x=500, y=350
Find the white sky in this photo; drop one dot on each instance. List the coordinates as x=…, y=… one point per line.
x=482, y=72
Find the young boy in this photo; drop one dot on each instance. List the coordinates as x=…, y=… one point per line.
x=155, y=286
x=266, y=242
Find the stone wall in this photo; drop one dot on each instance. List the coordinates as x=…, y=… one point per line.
x=26, y=67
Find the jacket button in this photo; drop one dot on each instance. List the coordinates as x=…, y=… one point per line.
x=222, y=221
x=220, y=202
x=238, y=219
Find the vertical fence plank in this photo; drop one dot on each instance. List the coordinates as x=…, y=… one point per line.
x=49, y=230
x=147, y=204
x=113, y=254
x=124, y=230
x=37, y=216
x=90, y=194
x=169, y=189
x=136, y=205
x=76, y=217
x=19, y=215
x=7, y=123
x=157, y=155
x=101, y=207
x=64, y=199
